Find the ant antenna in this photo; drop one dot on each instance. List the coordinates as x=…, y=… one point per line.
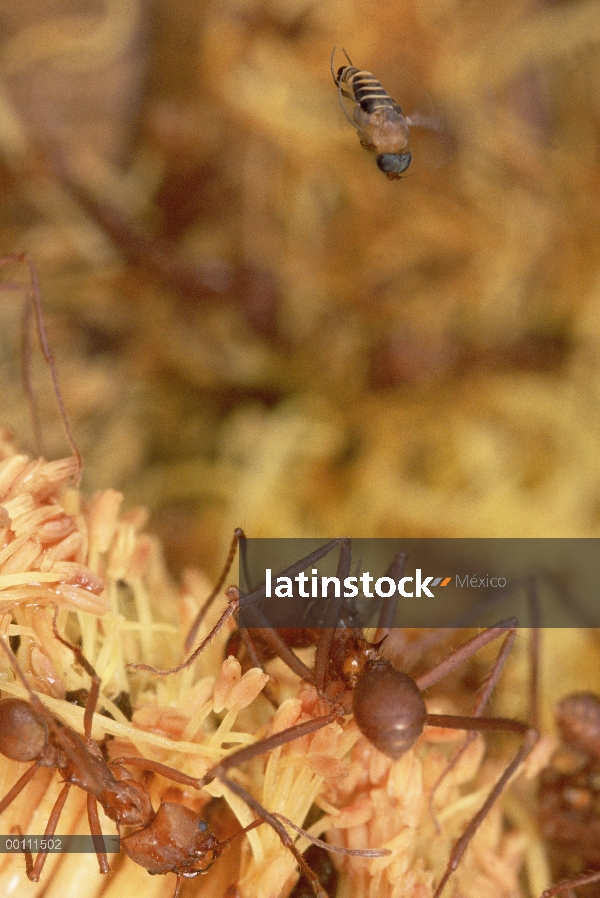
x=33, y=301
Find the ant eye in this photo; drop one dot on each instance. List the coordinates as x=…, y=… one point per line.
x=202, y=826
x=394, y=163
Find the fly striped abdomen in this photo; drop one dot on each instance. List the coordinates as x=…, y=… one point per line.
x=368, y=92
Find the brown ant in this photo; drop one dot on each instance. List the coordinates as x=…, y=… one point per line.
x=172, y=840
x=351, y=676
x=33, y=303
x=29, y=733
x=569, y=796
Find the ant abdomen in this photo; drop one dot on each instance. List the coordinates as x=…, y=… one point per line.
x=388, y=708
x=23, y=733
x=578, y=719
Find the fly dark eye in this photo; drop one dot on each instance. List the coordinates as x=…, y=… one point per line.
x=202, y=826
x=393, y=163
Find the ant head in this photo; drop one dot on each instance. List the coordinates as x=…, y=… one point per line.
x=175, y=841
x=578, y=718
x=393, y=163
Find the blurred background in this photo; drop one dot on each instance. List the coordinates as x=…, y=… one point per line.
x=254, y=327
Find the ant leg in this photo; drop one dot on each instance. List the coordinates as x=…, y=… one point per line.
x=352, y=852
x=465, y=652
x=388, y=606
x=26, y=376
x=94, y=693
x=323, y=650
x=34, y=297
x=26, y=851
x=279, y=829
x=96, y=833
x=16, y=830
x=272, y=638
x=481, y=724
x=260, y=593
x=274, y=820
x=280, y=647
x=256, y=661
x=488, y=724
x=534, y=651
x=34, y=871
x=18, y=787
x=237, y=757
x=238, y=535
x=93, y=696
x=482, y=700
x=233, y=601
x=583, y=880
x=331, y=619
x=251, y=648
x=243, y=550
x=265, y=745
x=237, y=602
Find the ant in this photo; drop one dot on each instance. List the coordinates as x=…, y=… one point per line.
x=29, y=733
x=173, y=839
x=351, y=675
x=33, y=304
x=569, y=794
